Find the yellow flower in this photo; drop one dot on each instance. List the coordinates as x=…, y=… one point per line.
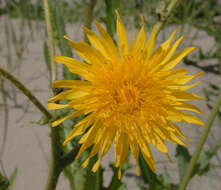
x=131, y=95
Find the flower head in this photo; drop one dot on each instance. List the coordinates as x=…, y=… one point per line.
x=131, y=95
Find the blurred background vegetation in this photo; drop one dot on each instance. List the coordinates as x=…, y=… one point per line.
x=202, y=15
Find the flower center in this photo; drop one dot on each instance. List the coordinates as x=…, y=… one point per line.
x=127, y=96
x=126, y=99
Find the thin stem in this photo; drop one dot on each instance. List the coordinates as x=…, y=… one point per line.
x=166, y=14
x=56, y=150
x=89, y=7
x=55, y=166
x=202, y=141
x=110, y=7
x=26, y=92
x=58, y=163
x=5, y=104
x=53, y=68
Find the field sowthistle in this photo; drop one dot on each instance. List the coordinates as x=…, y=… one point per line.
x=117, y=90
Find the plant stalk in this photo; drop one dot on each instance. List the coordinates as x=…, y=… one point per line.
x=56, y=150
x=57, y=162
x=89, y=9
x=202, y=141
x=165, y=14
x=53, y=68
x=26, y=92
x=6, y=111
x=55, y=168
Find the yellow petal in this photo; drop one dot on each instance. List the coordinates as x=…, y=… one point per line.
x=69, y=83
x=53, y=106
x=59, y=121
x=107, y=39
x=88, y=139
x=178, y=116
x=158, y=143
x=85, y=163
x=96, y=165
x=75, y=66
x=108, y=140
x=185, y=96
x=68, y=95
x=86, y=52
x=189, y=107
x=166, y=134
x=187, y=78
x=173, y=138
x=121, y=146
x=155, y=59
x=122, y=36
x=172, y=50
x=167, y=43
x=134, y=147
x=141, y=40
x=144, y=147
x=148, y=157
x=183, y=88
x=80, y=128
x=174, y=74
x=151, y=42
x=177, y=131
x=132, y=47
x=97, y=43
x=95, y=150
x=177, y=58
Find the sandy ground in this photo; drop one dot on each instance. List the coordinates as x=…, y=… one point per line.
x=28, y=146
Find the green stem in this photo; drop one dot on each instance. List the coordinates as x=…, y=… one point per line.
x=56, y=147
x=55, y=168
x=89, y=7
x=166, y=14
x=25, y=91
x=53, y=68
x=201, y=143
x=57, y=163
x=111, y=6
x=5, y=104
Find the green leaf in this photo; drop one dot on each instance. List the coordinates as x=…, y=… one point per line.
x=183, y=156
x=122, y=187
x=69, y=175
x=205, y=158
x=117, y=184
x=47, y=55
x=43, y=120
x=65, y=130
x=84, y=177
x=141, y=184
x=12, y=178
x=63, y=44
x=4, y=183
x=204, y=163
x=110, y=19
x=148, y=176
x=155, y=182
x=210, y=94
